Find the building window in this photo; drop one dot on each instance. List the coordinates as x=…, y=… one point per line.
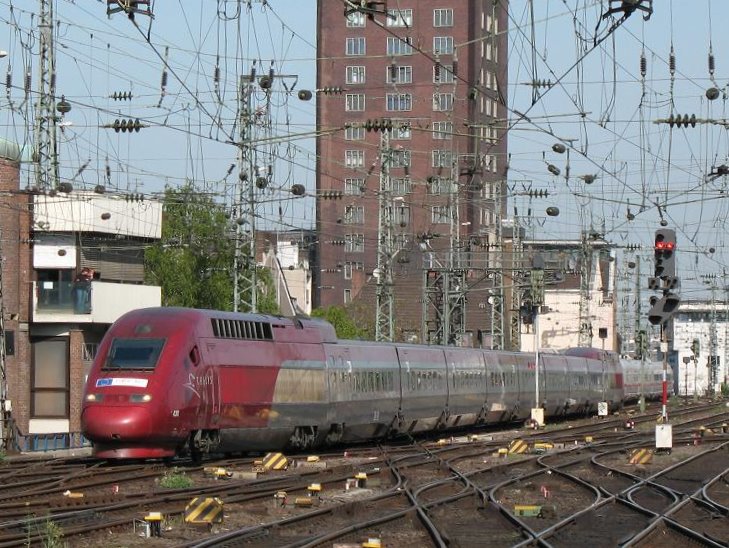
x=442, y=74
x=352, y=266
x=488, y=134
x=355, y=46
x=399, y=46
x=355, y=102
x=486, y=217
x=401, y=186
x=400, y=18
x=443, y=45
x=399, y=74
x=490, y=163
x=491, y=108
x=440, y=185
x=442, y=158
x=399, y=101
x=442, y=101
x=356, y=19
x=354, y=186
x=440, y=214
x=492, y=52
x=354, y=215
x=443, y=17
x=355, y=75
x=50, y=388
x=401, y=130
x=354, y=158
x=442, y=130
x=402, y=216
x=354, y=243
x=492, y=24
x=347, y=296
x=354, y=133
x=400, y=241
x=400, y=158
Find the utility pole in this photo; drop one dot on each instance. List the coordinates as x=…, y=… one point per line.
x=45, y=153
x=385, y=325
x=585, y=335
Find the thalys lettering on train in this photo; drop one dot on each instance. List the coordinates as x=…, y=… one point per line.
x=170, y=381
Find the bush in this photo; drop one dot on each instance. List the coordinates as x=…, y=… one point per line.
x=175, y=479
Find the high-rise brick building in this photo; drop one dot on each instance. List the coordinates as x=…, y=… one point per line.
x=437, y=71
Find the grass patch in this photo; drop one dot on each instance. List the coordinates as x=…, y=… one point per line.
x=175, y=479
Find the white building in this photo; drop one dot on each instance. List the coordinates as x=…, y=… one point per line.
x=705, y=322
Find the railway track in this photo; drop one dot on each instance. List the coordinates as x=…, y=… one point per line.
x=454, y=492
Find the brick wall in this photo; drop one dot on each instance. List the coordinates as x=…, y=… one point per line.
x=15, y=252
x=76, y=371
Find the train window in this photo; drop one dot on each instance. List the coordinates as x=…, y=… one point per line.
x=134, y=353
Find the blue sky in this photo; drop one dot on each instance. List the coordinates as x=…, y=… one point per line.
x=595, y=106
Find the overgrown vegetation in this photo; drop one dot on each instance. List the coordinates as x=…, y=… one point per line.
x=175, y=478
x=50, y=533
x=193, y=261
x=342, y=322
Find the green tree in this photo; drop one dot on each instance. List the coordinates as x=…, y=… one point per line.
x=339, y=318
x=193, y=261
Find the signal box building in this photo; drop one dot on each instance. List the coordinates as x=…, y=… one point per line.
x=410, y=113
x=72, y=264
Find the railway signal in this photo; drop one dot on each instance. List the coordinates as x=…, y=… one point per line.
x=664, y=250
x=664, y=280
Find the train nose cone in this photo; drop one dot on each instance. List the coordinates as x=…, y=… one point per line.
x=116, y=423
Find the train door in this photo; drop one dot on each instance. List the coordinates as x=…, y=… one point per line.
x=208, y=388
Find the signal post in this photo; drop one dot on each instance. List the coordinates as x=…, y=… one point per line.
x=662, y=310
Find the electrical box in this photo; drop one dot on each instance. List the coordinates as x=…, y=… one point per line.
x=664, y=436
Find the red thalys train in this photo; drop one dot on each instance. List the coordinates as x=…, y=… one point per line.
x=168, y=381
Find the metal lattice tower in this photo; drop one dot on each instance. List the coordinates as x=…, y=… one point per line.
x=623, y=321
x=45, y=151
x=244, y=265
x=496, y=271
x=585, y=335
x=516, y=279
x=444, y=282
x=638, y=329
x=384, y=325
x=456, y=287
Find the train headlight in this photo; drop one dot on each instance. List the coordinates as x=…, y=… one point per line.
x=140, y=398
x=94, y=397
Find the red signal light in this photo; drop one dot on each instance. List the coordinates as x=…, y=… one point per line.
x=665, y=246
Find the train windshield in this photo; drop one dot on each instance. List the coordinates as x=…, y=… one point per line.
x=134, y=353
